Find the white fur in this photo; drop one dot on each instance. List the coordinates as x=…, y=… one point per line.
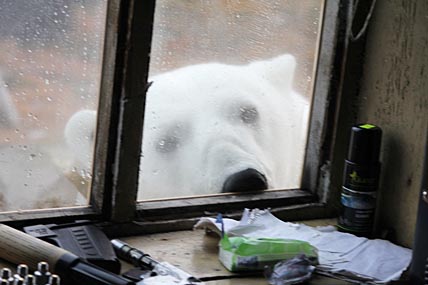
x=29, y=177
x=205, y=122
x=79, y=136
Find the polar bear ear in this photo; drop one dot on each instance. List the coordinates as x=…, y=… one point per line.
x=80, y=135
x=278, y=71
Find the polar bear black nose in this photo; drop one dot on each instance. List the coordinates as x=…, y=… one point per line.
x=244, y=181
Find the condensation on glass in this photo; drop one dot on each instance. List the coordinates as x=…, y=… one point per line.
x=229, y=106
x=50, y=65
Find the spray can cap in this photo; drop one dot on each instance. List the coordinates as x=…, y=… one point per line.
x=364, y=145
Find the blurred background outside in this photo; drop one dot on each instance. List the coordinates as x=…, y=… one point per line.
x=50, y=67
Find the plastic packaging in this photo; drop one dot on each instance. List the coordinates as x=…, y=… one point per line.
x=292, y=271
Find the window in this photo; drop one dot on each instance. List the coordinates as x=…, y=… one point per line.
x=241, y=37
x=50, y=67
x=230, y=96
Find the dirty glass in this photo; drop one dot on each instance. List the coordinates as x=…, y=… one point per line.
x=230, y=99
x=50, y=64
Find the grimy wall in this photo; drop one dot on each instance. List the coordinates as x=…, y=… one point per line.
x=394, y=95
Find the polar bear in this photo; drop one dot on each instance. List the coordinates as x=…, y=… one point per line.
x=217, y=128
x=29, y=176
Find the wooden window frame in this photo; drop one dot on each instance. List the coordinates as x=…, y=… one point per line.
x=119, y=131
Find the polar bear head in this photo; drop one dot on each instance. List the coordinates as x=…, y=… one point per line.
x=212, y=128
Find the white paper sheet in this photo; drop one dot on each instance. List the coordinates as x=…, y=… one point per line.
x=341, y=255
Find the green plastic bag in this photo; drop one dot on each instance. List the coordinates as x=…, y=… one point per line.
x=244, y=254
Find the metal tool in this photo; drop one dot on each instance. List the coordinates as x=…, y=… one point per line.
x=158, y=272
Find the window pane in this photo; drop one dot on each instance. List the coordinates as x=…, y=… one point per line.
x=50, y=64
x=228, y=109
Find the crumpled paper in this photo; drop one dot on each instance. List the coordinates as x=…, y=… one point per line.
x=341, y=255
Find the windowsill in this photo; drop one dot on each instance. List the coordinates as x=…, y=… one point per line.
x=197, y=253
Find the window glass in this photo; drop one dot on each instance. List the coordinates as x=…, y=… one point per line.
x=50, y=65
x=229, y=104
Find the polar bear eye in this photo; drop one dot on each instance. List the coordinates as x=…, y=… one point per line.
x=167, y=144
x=248, y=114
x=172, y=137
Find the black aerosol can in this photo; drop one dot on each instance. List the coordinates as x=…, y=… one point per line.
x=361, y=180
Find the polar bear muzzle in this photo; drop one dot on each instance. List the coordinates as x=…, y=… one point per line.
x=245, y=181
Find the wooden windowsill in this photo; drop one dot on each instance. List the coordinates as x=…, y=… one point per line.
x=197, y=253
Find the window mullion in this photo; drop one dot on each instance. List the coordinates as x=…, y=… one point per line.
x=111, y=60
x=131, y=110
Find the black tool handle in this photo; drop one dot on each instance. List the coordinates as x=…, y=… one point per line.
x=81, y=272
